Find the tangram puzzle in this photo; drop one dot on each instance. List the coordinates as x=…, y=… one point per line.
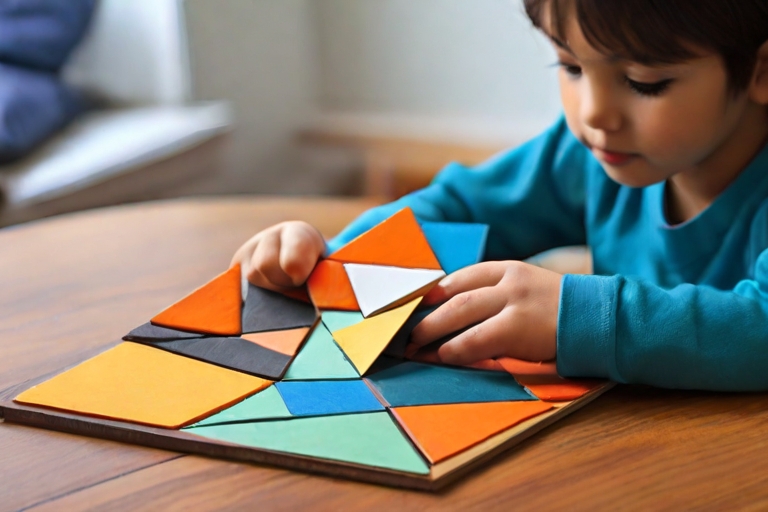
x=317, y=381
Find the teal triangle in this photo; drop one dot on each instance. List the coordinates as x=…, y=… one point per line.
x=338, y=320
x=456, y=245
x=320, y=358
x=266, y=404
x=410, y=383
x=369, y=439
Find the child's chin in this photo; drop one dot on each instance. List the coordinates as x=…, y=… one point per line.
x=632, y=176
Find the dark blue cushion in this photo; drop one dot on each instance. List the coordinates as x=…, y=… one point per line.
x=42, y=33
x=33, y=105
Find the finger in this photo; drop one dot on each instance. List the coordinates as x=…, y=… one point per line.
x=437, y=295
x=244, y=253
x=410, y=350
x=466, y=279
x=300, y=248
x=460, y=311
x=265, y=264
x=486, y=340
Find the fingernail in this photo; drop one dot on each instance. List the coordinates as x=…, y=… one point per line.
x=410, y=350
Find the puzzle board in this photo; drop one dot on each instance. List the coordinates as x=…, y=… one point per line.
x=317, y=381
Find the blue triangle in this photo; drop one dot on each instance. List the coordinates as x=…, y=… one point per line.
x=456, y=245
x=412, y=383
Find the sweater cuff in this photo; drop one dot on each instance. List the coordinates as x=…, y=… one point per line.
x=586, y=327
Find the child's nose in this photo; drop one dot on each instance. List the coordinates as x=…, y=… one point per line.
x=598, y=108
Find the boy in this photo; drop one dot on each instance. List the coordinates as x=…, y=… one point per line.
x=659, y=165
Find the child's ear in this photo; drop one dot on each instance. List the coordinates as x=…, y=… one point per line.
x=758, y=87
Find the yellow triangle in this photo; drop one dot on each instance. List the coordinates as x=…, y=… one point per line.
x=365, y=341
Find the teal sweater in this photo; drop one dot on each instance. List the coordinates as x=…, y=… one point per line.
x=682, y=306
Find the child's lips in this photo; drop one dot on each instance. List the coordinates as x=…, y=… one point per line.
x=613, y=158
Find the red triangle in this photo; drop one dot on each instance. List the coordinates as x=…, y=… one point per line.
x=286, y=342
x=396, y=242
x=215, y=308
x=330, y=288
x=442, y=431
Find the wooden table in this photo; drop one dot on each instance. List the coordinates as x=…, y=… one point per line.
x=72, y=284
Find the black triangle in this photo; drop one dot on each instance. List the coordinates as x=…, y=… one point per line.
x=265, y=310
x=151, y=332
x=233, y=353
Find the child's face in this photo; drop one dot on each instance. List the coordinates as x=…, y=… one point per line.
x=647, y=124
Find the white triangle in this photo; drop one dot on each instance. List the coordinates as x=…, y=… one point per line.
x=378, y=288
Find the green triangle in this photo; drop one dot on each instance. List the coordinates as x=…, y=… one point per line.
x=320, y=358
x=369, y=439
x=267, y=404
x=338, y=320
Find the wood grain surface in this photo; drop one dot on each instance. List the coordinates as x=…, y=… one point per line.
x=72, y=285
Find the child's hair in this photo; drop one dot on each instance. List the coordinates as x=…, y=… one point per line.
x=665, y=31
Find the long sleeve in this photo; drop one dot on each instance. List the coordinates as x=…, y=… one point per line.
x=532, y=197
x=689, y=336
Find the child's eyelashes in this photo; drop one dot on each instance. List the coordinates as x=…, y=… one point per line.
x=648, y=89
x=570, y=69
x=641, y=88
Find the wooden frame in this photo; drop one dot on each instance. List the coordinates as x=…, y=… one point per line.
x=441, y=475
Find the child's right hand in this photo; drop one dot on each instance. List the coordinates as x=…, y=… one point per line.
x=282, y=256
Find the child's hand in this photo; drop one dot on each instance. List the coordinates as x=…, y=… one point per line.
x=282, y=256
x=514, y=305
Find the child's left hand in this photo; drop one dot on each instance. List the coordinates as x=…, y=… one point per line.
x=514, y=304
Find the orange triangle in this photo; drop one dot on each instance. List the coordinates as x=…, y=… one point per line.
x=542, y=380
x=397, y=242
x=442, y=431
x=557, y=389
x=285, y=342
x=215, y=308
x=330, y=288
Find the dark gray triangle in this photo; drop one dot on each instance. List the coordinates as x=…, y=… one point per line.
x=265, y=310
x=151, y=332
x=400, y=340
x=233, y=353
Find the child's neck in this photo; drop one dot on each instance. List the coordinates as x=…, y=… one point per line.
x=689, y=193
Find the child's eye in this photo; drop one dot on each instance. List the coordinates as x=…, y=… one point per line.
x=648, y=89
x=570, y=69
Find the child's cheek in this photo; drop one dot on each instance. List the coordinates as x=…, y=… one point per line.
x=570, y=99
x=673, y=134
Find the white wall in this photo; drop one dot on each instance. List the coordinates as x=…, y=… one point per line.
x=441, y=69
x=135, y=52
x=259, y=55
x=464, y=63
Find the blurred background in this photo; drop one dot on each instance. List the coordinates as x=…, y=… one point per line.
x=155, y=99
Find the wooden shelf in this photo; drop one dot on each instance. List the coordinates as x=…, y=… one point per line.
x=395, y=166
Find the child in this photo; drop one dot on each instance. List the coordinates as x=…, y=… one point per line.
x=659, y=165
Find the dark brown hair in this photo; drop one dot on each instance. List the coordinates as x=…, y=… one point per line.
x=666, y=31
